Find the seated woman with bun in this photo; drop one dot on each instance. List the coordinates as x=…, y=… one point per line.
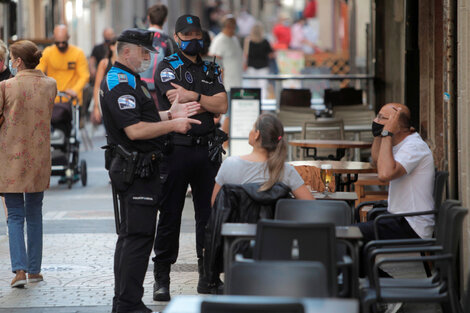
x=265, y=164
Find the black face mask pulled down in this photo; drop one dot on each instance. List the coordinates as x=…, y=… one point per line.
x=377, y=129
x=62, y=48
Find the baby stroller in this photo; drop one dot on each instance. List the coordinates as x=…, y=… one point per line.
x=65, y=144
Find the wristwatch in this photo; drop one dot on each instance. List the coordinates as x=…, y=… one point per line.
x=386, y=133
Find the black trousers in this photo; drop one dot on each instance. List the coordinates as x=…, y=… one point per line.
x=138, y=210
x=185, y=165
x=388, y=228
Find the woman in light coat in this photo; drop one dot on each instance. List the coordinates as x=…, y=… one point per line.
x=26, y=102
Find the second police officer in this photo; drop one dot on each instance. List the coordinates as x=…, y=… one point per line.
x=134, y=127
x=194, y=158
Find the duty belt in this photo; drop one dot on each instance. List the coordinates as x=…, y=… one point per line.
x=188, y=140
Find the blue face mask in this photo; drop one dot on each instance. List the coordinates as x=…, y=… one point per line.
x=191, y=47
x=13, y=70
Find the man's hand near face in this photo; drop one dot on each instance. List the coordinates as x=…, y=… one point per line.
x=392, y=125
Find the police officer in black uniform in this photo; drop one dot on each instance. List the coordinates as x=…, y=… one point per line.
x=134, y=127
x=195, y=158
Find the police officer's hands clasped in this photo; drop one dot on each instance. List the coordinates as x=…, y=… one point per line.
x=179, y=109
x=184, y=94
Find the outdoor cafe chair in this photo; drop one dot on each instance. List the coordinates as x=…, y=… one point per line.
x=324, y=129
x=324, y=211
x=440, y=231
x=376, y=214
x=444, y=258
x=278, y=278
x=286, y=240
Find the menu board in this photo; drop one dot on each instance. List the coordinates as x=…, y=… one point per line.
x=245, y=107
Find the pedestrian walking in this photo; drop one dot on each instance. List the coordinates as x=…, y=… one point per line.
x=163, y=43
x=26, y=102
x=100, y=51
x=4, y=74
x=257, y=52
x=194, y=158
x=135, y=129
x=67, y=64
x=103, y=68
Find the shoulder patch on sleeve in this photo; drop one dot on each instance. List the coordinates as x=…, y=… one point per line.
x=126, y=102
x=115, y=76
x=167, y=75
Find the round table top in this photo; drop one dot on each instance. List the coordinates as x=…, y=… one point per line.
x=340, y=167
x=334, y=144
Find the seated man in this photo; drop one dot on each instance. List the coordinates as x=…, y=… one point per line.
x=405, y=161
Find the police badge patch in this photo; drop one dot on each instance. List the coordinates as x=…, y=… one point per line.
x=189, y=77
x=167, y=75
x=146, y=92
x=126, y=102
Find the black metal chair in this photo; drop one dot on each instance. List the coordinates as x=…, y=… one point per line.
x=378, y=213
x=444, y=257
x=325, y=211
x=209, y=306
x=278, y=278
x=440, y=231
x=286, y=240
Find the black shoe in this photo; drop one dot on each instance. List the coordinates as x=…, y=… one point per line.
x=161, y=293
x=161, y=287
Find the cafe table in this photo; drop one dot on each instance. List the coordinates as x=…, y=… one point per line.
x=339, y=145
x=349, y=197
x=192, y=304
x=349, y=168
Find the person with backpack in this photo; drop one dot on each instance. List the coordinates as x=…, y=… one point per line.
x=163, y=43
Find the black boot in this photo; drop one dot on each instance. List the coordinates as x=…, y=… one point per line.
x=203, y=285
x=161, y=287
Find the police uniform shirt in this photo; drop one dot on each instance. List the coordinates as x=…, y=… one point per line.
x=125, y=101
x=179, y=70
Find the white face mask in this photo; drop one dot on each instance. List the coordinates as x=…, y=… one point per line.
x=138, y=56
x=144, y=65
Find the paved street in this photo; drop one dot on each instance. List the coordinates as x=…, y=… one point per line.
x=79, y=240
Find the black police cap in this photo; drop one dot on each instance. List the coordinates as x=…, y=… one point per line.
x=136, y=36
x=186, y=23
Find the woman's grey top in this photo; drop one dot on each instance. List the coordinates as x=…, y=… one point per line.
x=235, y=170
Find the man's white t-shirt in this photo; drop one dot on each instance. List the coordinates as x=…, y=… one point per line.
x=232, y=59
x=413, y=192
